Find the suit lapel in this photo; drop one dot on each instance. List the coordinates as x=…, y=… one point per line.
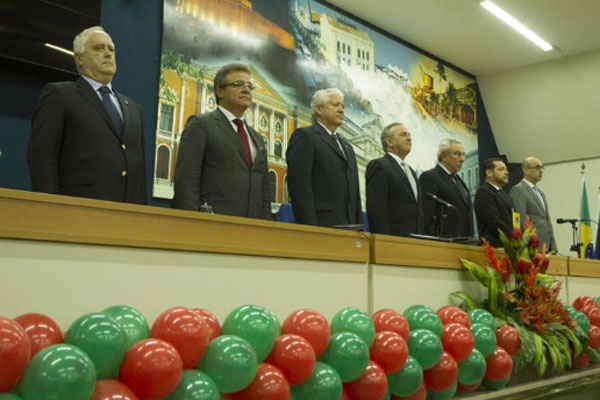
x=451, y=186
x=535, y=197
x=225, y=127
x=401, y=174
x=258, y=143
x=88, y=93
x=329, y=140
x=124, y=103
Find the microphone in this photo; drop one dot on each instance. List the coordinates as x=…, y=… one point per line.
x=433, y=197
x=567, y=220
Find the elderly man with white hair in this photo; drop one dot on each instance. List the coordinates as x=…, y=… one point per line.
x=87, y=139
x=322, y=171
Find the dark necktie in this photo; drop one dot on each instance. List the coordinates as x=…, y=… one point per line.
x=461, y=188
x=111, y=109
x=337, y=140
x=241, y=131
x=506, y=198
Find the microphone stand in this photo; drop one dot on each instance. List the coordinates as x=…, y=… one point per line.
x=576, y=246
x=439, y=218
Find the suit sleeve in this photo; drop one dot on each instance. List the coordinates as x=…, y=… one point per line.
x=487, y=211
x=266, y=194
x=300, y=156
x=377, y=191
x=428, y=184
x=519, y=204
x=46, y=140
x=143, y=156
x=188, y=169
x=554, y=247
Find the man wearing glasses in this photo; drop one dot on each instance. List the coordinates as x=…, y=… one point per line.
x=530, y=201
x=455, y=218
x=222, y=162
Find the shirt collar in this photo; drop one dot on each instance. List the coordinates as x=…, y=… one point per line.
x=229, y=115
x=97, y=85
x=531, y=185
x=446, y=169
x=326, y=130
x=398, y=159
x=491, y=184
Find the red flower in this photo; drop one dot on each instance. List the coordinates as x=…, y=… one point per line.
x=522, y=266
x=534, y=242
x=504, y=268
x=490, y=255
x=516, y=234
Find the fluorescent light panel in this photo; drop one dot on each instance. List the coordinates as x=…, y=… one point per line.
x=515, y=24
x=58, y=48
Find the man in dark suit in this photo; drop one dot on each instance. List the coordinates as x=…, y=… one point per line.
x=530, y=201
x=493, y=207
x=87, y=140
x=322, y=171
x=394, y=202
x=443, y=182
x=222, y=162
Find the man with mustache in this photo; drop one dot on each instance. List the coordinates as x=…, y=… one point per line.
x=322, y=171
x=87, y=140
x=222, y=162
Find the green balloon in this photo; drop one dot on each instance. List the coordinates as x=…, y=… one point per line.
x=443, y=395
x=323, y=384
x=195, y=385
x=485, y=339
x=348, y=354
x=595, y=356
x=495, y=385
x=412, y=309
x=101, y=338
x=356, y=321
x=132, y=321
x=597, y=300
x=425, y=346
x=255, y=324
x=481, y=316
x=583, y=321
x=388, y=394
x=425, y=319
x=9, y=396
x=60, y=371
x=230, y=361
x=408, y=380
x=472, y=370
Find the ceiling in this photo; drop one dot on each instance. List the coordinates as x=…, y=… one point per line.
x=463, y=33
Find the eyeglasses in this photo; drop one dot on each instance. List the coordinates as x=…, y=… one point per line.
x=241, y=84
x=459, y=153
x=538, y=167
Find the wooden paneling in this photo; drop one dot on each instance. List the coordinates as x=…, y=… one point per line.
x=26, y=215
x=585, y=268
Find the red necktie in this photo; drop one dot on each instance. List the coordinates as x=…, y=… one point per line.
x=244, y=138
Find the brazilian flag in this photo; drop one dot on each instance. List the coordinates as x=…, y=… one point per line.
x=585, y=227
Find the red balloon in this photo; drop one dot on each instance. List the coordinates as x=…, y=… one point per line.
x=111, y=389
x=15, y=351
x=458, y=341
x=420, y=394
x=593, y=315
x=344, y=395
x=390, y=351
x=214, y=327
x=507, y=337
x=469, y=388
x=498, y=365
x=582, y=301
x=581, y=361
x=42, y=331
x=151, y=368
x=390, y=320
x=294, y=356
x=451, y=314
x=594, y=336
x=269, y=383
x=371, y=385
x=185, y=330
x=311, y=325
x=443, y=374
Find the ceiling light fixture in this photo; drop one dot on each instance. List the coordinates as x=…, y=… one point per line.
x=515, y=24
x=58, y=48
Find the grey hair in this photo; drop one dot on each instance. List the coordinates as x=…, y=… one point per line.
x=322, y=96
x=445, y=147
x=387, y=133
x=81, y=39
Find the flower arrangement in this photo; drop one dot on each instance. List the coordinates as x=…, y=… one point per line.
x=522, y=295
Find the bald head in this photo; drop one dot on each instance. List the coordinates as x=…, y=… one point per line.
x=533, y=169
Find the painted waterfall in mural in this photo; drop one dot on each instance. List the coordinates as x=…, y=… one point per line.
x=293, y=48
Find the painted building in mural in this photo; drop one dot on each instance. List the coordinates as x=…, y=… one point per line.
x=345, y=45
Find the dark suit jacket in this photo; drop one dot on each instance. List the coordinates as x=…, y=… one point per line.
x=75, y=149
x=322, y=183
x=493, y=211
x=391, y=204
x=212, y=167
x=458, y=222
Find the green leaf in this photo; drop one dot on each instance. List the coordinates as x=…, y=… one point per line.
x=508, y=247
x=493, y=290
x=476, y=271
x=546, y=279
x=468, y=301
x=577, y=347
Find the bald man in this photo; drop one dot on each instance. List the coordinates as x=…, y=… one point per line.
x=530, y=201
